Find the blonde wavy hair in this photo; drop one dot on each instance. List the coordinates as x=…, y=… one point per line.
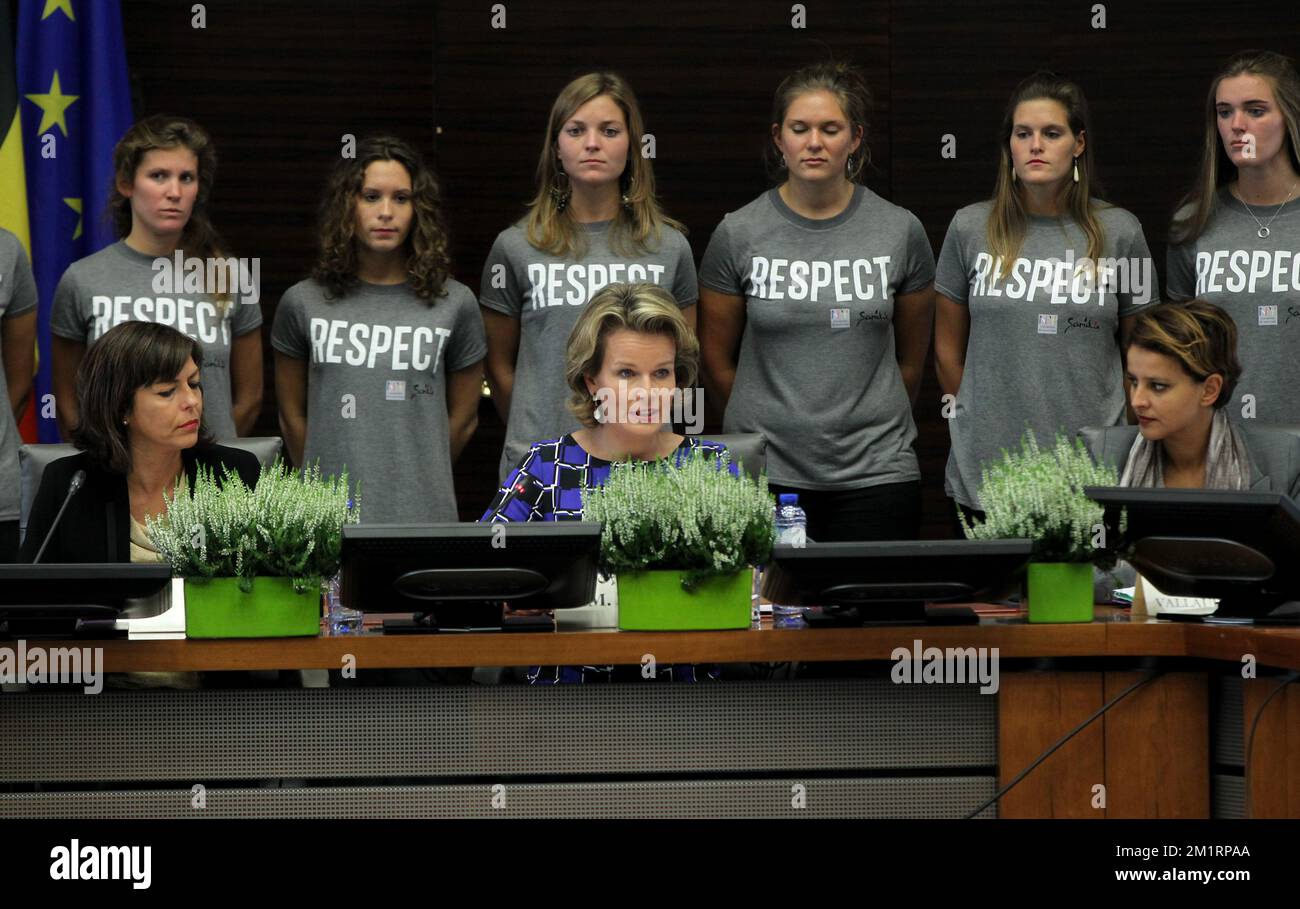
x=640, y=221
x=643, y=308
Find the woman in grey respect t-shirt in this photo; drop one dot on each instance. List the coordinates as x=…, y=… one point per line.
x=815, y=313
x=1035, y=290
x=169, y=267
x=595, y=220
x=1235, y=240
x=378, y=356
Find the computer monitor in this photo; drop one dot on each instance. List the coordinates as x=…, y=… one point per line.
x=894, y=582
x=64, y=600
x=455, y=576
x=1241, y=548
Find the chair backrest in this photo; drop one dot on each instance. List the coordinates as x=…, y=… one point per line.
x=749, y=449
x=265, y=448
x=33, y=459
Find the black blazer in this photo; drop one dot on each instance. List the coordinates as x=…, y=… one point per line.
x=97, y=525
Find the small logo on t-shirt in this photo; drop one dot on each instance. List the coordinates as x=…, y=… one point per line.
x=1291, y=313
x=1046, y=323
x=877, y=316
x=1268, y=314
x=840, y=318
x=1080, y=322
x=395, y=390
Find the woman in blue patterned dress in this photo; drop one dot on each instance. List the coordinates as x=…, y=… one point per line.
x=630, y=357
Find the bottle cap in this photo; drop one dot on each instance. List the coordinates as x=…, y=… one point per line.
x=789, y=498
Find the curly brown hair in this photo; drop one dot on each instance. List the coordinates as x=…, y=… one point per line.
x=427, y=246
x=164, y=131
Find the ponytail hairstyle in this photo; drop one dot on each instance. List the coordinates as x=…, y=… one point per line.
x=843, y=81
x=199, y=239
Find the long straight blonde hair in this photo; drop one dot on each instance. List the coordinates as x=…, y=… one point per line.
x=1216, y=167
x=639, y=222
x=1008, y=218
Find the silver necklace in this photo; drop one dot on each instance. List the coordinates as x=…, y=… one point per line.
x=1263, y=231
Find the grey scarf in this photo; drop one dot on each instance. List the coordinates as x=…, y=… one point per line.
x=1226, y=463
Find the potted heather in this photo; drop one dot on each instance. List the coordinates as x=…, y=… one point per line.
x=1038, y=494
x=253, y=559
x=681, y=541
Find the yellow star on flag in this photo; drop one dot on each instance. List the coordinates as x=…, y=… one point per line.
x=75, y=205
x=53, y=106
x=51, y=6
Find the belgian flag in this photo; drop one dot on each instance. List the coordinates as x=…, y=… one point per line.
x=13, y=178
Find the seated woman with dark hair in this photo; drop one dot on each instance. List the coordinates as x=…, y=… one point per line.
x=141, y=434
x=1182, y=368
x=630, y=351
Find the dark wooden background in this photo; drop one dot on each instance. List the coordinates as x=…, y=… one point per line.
x=279, y=84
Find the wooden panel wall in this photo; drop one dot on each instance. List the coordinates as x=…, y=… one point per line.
x=279, y=84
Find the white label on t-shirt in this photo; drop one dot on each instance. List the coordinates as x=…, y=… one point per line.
x=395, y=390
x=1047, y=323
x=840, y=318
x=1268, y=314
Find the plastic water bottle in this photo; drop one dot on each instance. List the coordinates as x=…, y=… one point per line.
x=792, y=528
x=339, y=618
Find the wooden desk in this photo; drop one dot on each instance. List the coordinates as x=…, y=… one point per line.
x=1112, y=634
x=1151, y=752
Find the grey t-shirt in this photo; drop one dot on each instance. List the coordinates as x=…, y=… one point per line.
x=116, y=285
x=1257, y=281
x=1044, y=343
x=818, y=373
x=547, y=294
x=17, y=296
x=377, y=389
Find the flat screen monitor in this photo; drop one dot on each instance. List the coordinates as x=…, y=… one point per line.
x=457, y=575
x=61, y=600
x=1241, y=548
x=894, y=582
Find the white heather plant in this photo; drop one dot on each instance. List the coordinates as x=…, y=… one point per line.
x=1038, y=495
x=289, y=525
x=695, y=517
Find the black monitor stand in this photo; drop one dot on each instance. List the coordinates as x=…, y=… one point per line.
x=462, y=616
x=915, y=612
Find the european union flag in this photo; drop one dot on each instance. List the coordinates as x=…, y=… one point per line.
x=76, y=101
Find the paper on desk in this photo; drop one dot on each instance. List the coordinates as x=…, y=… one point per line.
x=1157, y=602
x=602, y=612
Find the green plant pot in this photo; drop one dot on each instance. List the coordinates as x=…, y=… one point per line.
x=217, y=608
x=1060, y=592
x=655, y=601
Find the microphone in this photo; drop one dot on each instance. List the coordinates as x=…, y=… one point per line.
x=78, y=479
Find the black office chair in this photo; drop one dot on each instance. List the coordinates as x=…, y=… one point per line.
x=748, y=449
x=33, y=459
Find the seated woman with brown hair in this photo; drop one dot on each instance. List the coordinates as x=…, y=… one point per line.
x=1182, y=369
x=142, y=436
